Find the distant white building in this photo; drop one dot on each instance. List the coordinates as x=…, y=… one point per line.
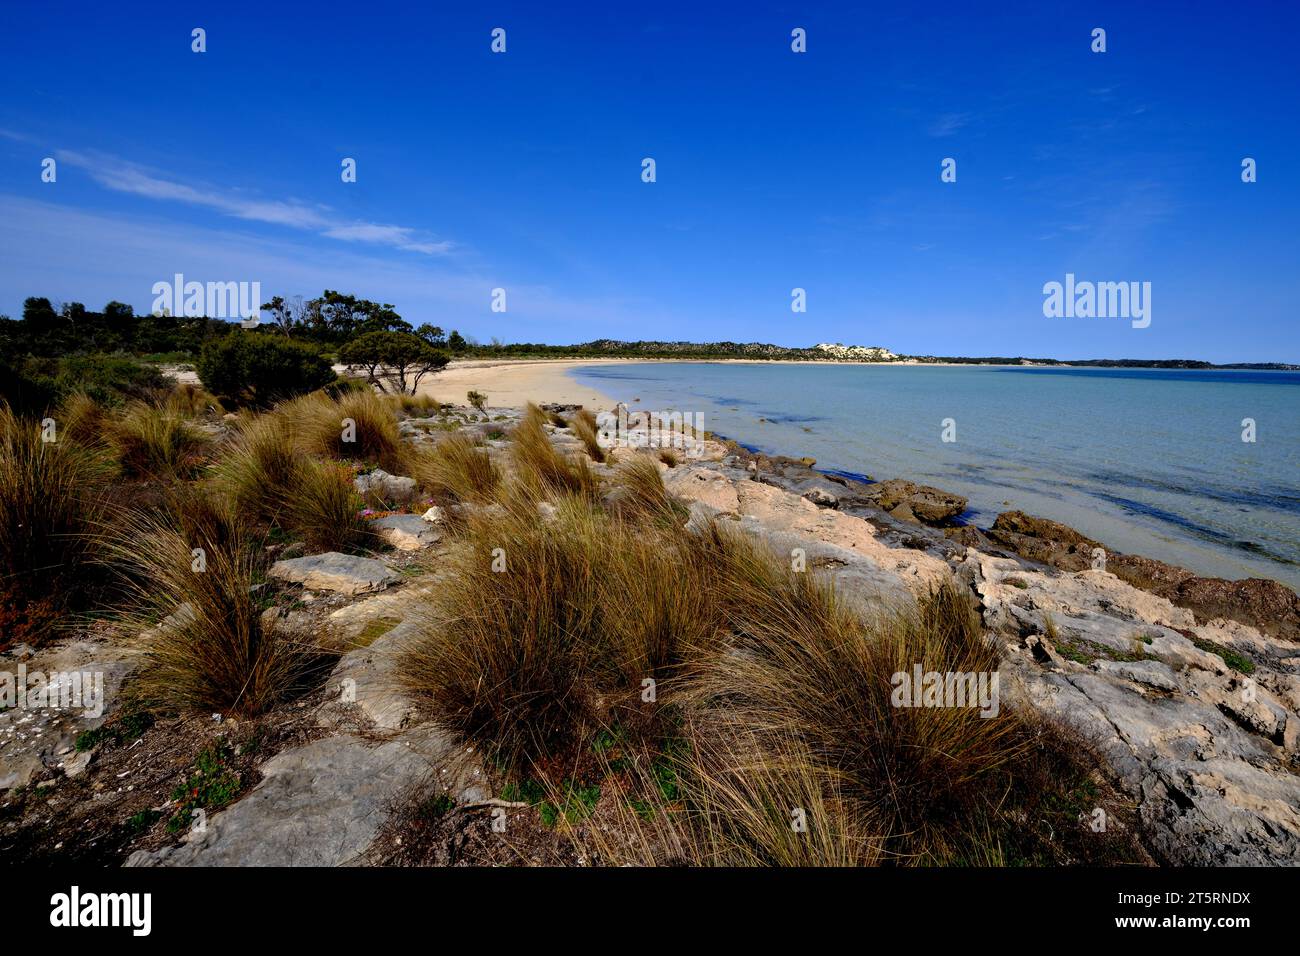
x=858, y=353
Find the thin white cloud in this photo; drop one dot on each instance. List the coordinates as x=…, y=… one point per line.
x=948, y=123
x=70, y=254
x=122, y=176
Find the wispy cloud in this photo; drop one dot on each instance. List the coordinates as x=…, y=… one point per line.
x=948, y=124
x=123, y=176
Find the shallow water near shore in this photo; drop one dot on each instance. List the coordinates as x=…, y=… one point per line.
x=1148, y=461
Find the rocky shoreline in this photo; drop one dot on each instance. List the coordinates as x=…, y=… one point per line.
x=1188, y=686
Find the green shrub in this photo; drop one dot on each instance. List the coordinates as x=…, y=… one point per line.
x=258, y=370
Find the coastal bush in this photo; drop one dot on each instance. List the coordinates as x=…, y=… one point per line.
x=197, y=571
x=393, y=360
x=32, y=385
x=477, y=399
x=258, y=370
x=456, y=469
x=51, y=505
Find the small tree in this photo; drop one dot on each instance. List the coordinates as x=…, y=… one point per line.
x=398, y=359
x=478, y=400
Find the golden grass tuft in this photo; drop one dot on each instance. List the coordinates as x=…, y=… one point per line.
x=585, y=427
x=269, y=480
x=155, y=441
x=213, y=651
x=456, y=469
x=51, y=502
x=358, y=426
x=540, y=467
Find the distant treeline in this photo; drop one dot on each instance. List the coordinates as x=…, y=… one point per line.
x=329, y=322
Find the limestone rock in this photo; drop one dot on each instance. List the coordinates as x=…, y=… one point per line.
x=334, y=571
x=380, y=486
x=405, y=532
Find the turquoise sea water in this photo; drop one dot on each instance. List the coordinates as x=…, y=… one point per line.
x=1147, y=461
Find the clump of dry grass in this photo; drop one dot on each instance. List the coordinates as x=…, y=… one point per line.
x=669, y=457
x=192, y=401
x=772, y=717
x=540, y=467
x=642, y=493
x=51, y=501
x=324, y=509
x=81, y=419
x=156, y=441
x=259, y=467
x=585, y=427
x=269, y=480
x=197, y=571
x=550, y=625
x=358, y=426
x=456, y=469
x=416, y=405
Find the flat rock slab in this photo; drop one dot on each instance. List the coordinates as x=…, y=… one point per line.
x=37, y=742
x=334, y=571
x=317, y=805
x=406, y=532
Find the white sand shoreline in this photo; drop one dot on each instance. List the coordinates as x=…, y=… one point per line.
x=513, y=382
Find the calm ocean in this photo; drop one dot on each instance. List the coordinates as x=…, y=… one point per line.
x=1149, y=462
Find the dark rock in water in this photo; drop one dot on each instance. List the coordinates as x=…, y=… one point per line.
x=917, y=503
x=1043, y=540
x=970, y=536
x=1272, y=608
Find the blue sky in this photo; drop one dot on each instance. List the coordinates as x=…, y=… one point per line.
x=775, y=170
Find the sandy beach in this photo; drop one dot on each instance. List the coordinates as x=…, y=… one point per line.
x=513, y=383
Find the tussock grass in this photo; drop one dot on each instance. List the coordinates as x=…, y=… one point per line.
x=456, y=469
x=421, y=406
x=192, y=401
x=259, y=467
x=80, y=418
x=584, y=426
x=773, y=697
x=269, y=480
x=525, y=662
x=213, y=651
x=540, y=467
x=642, y=493
x=324, y=509
x=318, y=425
x=51, y=502
x=154, y=440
